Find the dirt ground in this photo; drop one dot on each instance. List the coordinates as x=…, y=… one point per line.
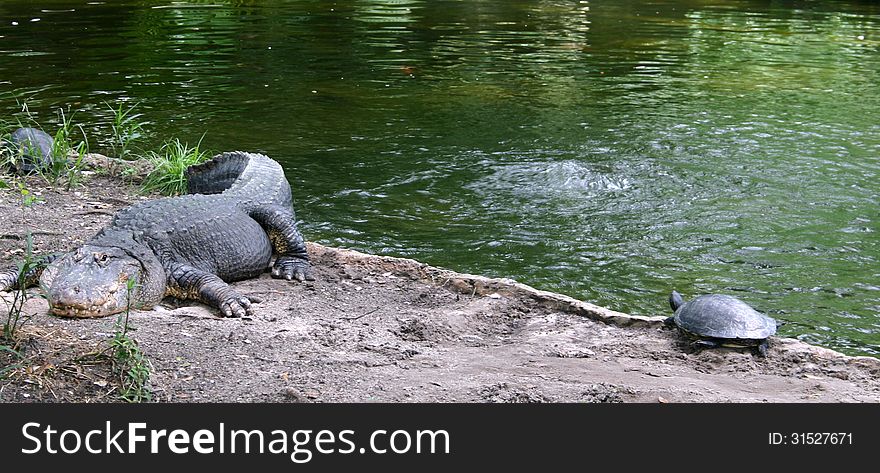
x=373, y=328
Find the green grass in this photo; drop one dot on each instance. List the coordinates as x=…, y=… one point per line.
x=14, y=310
x=14, y=318
x=130, y=365
x=7, y=156
x=67, y=154
x=169, y=167
x=6, y=129
x=127, y=129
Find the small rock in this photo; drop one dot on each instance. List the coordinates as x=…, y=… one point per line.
x=839, y=374
x=294, y=395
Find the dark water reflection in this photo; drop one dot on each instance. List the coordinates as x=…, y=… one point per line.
x=610, y=150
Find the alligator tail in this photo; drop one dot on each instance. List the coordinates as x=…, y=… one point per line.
x=218, y=174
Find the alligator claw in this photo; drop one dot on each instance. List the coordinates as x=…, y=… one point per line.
x=236, y=306
x=291, y=268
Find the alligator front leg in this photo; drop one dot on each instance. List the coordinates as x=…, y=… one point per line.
x=25, y=275
x=293, y=259
x=186, y=282
x=10, y=277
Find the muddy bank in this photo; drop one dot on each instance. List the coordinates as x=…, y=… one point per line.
x=373, y=328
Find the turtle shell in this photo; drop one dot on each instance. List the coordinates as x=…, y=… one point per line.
x=723, y=317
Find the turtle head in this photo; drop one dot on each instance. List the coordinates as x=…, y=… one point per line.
x=675, y=300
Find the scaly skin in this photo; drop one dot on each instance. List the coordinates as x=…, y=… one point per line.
x=188, y=247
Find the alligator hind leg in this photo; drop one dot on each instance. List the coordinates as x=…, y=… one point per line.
x=187, y=282
x=293, y=260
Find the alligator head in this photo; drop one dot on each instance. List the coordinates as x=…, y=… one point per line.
x=93, y=281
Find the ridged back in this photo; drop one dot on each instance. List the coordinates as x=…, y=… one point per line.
x=251, y=179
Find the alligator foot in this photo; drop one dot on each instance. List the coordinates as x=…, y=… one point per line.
x=186, y=282
x=236, y=306
x=292, y=267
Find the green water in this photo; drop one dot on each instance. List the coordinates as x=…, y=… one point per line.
x=609, y=150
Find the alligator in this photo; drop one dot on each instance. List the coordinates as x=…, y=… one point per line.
x=31, y=149
x=238, y=210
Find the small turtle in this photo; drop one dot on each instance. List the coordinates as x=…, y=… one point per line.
x=31, y=148
x=716, y=320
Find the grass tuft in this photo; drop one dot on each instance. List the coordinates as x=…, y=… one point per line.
x=67, y=155
x=169, y=167
x=127, y=129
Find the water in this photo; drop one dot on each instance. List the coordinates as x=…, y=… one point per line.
x=609, y=150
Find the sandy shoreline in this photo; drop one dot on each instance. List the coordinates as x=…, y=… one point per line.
x=374, y=328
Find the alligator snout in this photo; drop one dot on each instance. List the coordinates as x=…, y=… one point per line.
x=75, y=299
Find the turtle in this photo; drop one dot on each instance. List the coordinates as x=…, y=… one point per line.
x=717, y=320
x=31, y=148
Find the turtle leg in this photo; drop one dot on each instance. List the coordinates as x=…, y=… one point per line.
x=763, y=347
x=293, y=260
x=669, y=322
